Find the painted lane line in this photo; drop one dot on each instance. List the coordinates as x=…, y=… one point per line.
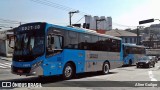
x=5, y=65
x=2, y=67
x=8, y=63
x=151, y=76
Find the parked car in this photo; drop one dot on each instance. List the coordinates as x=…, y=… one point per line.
x=145, y=61
x=158, y=58
x=154, y=58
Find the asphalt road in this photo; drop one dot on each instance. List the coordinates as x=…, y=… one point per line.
x=115, y=80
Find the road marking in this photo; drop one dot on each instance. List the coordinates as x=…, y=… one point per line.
x=7, y=65
x=151, y=76
x=2, y=67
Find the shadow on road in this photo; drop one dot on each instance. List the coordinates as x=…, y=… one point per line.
x=52, y=79
x=91, y=74
x=127, y=66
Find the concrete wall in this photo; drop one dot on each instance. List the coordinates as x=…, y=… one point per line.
x=103, y=25
x=2, y=48
x=155, y=52
x=5, y=50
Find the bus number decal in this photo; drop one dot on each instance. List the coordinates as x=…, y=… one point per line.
x=30, y=27
x=93, y=55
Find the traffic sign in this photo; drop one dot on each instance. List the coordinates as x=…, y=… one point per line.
x=146, y=21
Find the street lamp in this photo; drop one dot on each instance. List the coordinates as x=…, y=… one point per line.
x=71, y=14
x=97, y=23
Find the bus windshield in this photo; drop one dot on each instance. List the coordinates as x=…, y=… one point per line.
x=29, y=41
x=29, y=44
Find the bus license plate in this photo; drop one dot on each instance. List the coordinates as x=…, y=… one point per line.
x=20, y=71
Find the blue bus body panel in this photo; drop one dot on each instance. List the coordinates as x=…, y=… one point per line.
x=133, y=57
x=27, y=64
x=129, y=57
x=55, y=64
x=121, y=52
x=78, y=57
x=52, y=65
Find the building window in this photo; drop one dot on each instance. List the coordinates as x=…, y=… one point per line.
x=125, y=40
x=130, y=40
x=135, y=40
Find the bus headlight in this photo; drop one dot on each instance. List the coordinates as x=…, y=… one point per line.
x=37, y=64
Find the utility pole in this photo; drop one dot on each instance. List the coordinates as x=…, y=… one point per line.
x=137, y=35
x=138, y=38
x=97, y=22
x=70, y=16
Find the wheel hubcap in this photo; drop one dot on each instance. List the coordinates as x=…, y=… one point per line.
x=68, y=71
x=106, y=68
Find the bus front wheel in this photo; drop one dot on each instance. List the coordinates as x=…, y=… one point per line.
x=68, y=71
x=105, y=69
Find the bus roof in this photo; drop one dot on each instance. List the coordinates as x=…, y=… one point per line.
x=82, y=30
x=76, y=29
x=132, y=45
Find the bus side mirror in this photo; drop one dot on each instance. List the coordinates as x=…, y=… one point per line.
x=11, y=42
x=52, y=40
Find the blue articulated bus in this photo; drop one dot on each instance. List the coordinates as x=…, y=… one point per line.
x=44, y=49
x=132, y=53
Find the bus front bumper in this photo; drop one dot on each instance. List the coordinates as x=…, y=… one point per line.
x=26, y=71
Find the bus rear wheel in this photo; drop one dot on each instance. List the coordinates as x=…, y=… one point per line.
x=68, y=71
x=105, y=68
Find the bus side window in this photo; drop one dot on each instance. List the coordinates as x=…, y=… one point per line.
x=55, y=44
x=126, y=51
x=50, y=45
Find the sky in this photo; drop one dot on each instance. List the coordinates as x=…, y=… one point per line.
x=125, y=13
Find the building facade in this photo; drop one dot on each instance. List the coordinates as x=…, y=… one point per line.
x=105, y=24
x=127, y=37
x=151, y=36
x=5, y=50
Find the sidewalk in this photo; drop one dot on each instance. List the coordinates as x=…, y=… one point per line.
x=6, y=58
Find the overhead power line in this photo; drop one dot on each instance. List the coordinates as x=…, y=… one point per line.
x=116, y=24
x=79, y=20
x=5, y=26
x=10, y=21
x=6, y=23
x=66, y=8
x=56, y=5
